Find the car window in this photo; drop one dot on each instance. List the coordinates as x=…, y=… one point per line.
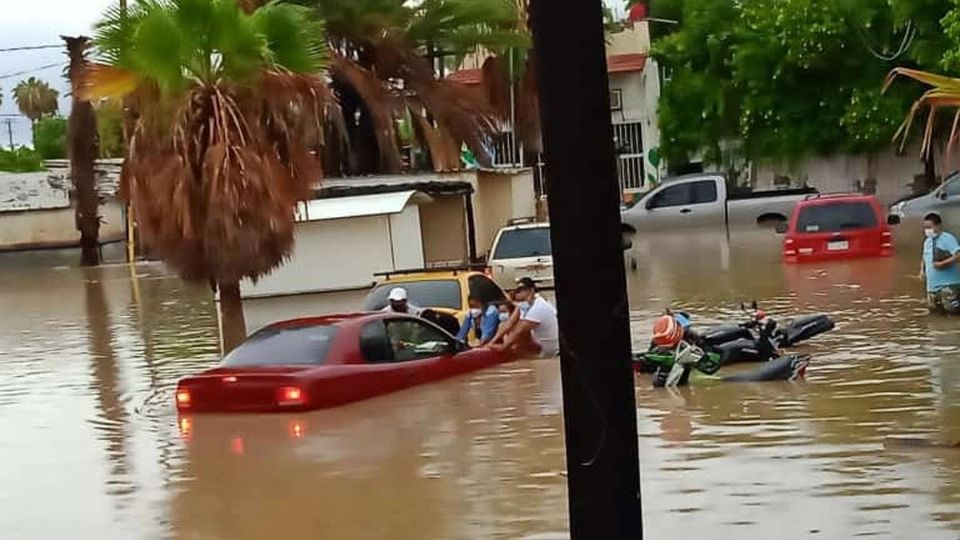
x=374, y=345
x=434, y=293
x=952, y=187
x=282, y=346
x=704, y=192
x=485, y=289
x=522, y=243
x=836, y=217
x=413, y=340
x=672, y=196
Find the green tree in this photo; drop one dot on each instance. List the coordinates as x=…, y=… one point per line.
x=50, y=137
x=35, y=99
x=110, y=130
x=21, y=159
x=229, y=105
x=788, y=78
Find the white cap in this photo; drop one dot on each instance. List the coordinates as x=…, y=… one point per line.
x=398, y=294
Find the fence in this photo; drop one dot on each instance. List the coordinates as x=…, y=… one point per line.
x=628, y=141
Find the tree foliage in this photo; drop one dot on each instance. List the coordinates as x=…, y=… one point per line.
x=20, y=159
x=788, y=78
x=50, y=137
x=35, y=98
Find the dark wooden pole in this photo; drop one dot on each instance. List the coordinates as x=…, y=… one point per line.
x=598, y=386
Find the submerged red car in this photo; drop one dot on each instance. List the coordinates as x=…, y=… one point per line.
x=328, y=361
x=840, y=226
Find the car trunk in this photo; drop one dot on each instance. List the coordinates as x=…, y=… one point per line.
x=839, y=230
x=243, y=389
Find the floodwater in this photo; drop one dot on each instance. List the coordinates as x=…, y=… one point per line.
x=91, y=447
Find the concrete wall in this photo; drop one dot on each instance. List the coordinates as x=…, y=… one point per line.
x=444, y=226
x=633, y=39
x=500, y=197
x=37, y=229
x=840, y=173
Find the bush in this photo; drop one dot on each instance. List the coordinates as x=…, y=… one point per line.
x=50, y=137
x=20, y=159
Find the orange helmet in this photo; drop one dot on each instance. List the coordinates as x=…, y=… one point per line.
x=667, y=332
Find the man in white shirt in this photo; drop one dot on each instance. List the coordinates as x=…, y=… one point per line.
x=532, y=330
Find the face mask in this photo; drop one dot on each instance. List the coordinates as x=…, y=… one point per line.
x=504, y=317
x=475, y=312
x=930, y=233
x=523, y=305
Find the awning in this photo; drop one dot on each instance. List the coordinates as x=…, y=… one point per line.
x=357, y=206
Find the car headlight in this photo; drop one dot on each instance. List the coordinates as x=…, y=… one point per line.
x=898, y=209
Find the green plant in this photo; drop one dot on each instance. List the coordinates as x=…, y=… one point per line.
x=20, y=159
x=50, y=137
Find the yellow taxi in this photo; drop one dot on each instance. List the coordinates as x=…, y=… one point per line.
x=441, y=289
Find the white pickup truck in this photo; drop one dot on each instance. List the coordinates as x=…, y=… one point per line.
x=703, y=200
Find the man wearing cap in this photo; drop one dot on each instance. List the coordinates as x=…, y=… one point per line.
x=399, y=304
x=534, y=327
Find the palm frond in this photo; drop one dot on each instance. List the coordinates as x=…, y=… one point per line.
x=945, y=93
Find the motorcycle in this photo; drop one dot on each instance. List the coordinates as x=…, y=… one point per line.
x=674, y=367
x=787, y=334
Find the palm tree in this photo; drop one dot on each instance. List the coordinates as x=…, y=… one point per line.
x=35, y=99
x=228, y=130
x=83, y=150
x=944, y=92
x=385, y=58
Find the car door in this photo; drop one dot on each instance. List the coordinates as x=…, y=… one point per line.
x=419, y=347
x=687, y=204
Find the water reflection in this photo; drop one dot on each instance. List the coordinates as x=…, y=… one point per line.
x=90, y=358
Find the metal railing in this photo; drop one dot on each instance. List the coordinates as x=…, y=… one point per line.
x=628, y=141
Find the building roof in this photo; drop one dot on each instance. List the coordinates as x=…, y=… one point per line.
x=356, y=206
x=626, y=63
x=616, y=63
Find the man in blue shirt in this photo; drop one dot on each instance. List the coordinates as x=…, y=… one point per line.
x=941, y=252
x=483, y=320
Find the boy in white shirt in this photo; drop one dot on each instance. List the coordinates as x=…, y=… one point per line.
x=533, y=329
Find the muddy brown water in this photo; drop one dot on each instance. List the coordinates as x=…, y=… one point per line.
x=91, y=447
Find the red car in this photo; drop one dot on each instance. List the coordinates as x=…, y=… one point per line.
x=842, y=226
x=328, y=361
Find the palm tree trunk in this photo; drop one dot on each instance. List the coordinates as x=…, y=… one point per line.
x=83, y=148
x=233, y=327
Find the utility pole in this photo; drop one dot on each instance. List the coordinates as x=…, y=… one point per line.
x=9, y=122
x=598, y=384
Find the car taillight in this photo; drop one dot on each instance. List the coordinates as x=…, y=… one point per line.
x=291, y=395
x=183, y=398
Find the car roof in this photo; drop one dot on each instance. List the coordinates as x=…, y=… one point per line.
x=821, y=199
x=526, y=226
x=428, y=275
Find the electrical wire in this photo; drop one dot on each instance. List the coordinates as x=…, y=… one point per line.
x=26, y=71
x=908, y=36
x=30, y=48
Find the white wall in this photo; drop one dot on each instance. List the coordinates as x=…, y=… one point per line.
x=840, y=173
x=35, y=229
x=407, y=239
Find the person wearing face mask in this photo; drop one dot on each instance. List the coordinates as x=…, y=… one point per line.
x=534, y=329
x=939, y=267
x=482, y=322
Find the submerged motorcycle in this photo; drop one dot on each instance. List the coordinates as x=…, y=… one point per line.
x=678, y=351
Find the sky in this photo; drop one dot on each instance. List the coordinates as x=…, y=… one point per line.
x=39, y=22
x=42, y=22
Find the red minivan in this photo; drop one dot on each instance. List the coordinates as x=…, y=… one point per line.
x=840, y=226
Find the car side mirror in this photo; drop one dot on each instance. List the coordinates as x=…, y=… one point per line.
x=942, y=195
x=781, y=228
x=893, y=219
x=626, y=245
x=457, y=347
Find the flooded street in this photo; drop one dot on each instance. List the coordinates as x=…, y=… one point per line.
x=91, y=446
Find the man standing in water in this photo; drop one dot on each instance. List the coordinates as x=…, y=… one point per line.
x=533, y=329
x=939, y=267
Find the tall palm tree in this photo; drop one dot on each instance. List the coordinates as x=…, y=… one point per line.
x=35, y=99
x=384, y=64
x=83, y=150
x=228, y=128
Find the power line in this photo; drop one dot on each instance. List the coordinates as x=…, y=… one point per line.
x=31, y=48
x=26, y=71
